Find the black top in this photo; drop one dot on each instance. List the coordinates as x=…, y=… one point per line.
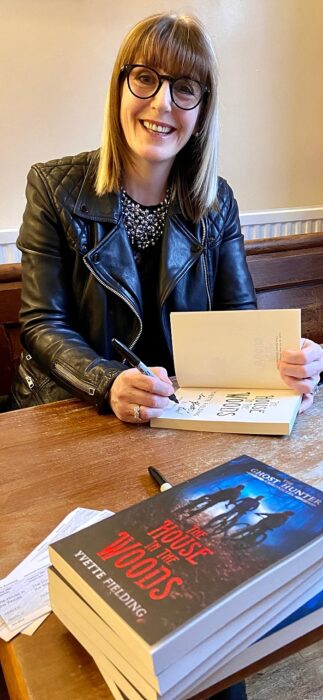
x=151, y=346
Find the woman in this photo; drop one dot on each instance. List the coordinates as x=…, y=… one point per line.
x=113, y=241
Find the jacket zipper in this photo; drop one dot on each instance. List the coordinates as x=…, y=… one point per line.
x=133, y=342
x=32, y=386
x=29, y=379
x=78, y=383
x=110, y=289
x=205, y=268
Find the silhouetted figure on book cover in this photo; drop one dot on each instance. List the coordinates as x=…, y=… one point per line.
x=224, y=521
x=208, y=500
x=254, y=534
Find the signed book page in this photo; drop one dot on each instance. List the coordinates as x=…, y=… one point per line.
x=232, y=411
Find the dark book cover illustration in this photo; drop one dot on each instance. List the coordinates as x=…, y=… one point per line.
x=173, y=555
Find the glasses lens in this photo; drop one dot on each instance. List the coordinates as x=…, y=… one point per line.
x=187, y=93
x=143, y=82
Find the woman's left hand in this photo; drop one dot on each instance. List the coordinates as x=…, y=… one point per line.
x=300, y=370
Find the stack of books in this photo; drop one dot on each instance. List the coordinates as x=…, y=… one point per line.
x=168, y=594
x=305, y=619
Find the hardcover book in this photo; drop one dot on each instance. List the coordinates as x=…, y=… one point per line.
x=170, y=572
x=226, y=365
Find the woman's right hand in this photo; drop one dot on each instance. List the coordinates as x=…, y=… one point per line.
x=136, y=397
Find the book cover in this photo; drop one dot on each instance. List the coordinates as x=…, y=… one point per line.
x=230, y=386
x=193, y=556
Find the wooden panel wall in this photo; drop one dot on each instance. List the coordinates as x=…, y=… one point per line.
x=288, y=273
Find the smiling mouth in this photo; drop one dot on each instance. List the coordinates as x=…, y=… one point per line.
x=157, y=128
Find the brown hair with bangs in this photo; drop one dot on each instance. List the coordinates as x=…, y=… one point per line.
x=181, y=46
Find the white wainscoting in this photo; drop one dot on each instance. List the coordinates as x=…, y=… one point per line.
x=8, y=251
x=281, y=222
x=254, y=225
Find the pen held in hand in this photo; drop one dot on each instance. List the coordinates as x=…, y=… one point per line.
x=134, y=361
x=163, y=484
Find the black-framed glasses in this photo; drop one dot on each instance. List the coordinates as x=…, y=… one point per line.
x=144, y=82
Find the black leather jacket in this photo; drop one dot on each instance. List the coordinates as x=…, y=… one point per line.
x=80, y=284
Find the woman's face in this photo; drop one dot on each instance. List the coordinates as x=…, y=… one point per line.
x=155, y=128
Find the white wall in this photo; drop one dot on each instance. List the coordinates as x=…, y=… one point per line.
x=55, y=61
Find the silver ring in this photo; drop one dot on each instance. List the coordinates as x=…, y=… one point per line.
x=136, y=412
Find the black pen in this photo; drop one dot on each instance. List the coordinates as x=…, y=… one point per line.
x=134, y=361
x=163, y=484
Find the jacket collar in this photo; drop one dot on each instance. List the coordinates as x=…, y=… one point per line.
x=111, y=260
x=92, y=207
x=106, y=208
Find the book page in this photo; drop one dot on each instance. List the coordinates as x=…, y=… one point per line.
x=232, y=410
x=237, y=349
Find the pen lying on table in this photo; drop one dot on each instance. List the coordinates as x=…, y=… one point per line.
x=134, y=361
x=163, y=484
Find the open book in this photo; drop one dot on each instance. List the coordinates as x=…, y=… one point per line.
x=226, y=364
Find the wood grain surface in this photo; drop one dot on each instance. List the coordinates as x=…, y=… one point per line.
x=54, y=458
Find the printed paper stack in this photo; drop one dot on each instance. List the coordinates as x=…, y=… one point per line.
x=24, y=599
x=165, y=594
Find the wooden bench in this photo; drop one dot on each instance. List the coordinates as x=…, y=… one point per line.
x=10, y=348
x=287, y=273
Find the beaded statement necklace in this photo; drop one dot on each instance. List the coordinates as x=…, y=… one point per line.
x=144, y=225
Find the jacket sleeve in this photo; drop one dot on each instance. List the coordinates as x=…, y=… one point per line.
x=48, y=333
x=234, y=286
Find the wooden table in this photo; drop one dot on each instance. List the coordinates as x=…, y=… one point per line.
x=56, y=457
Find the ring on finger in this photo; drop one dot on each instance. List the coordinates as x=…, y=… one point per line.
x=136, y=412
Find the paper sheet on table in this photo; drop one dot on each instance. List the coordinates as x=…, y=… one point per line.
x=34, y=625
x=24, y=592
